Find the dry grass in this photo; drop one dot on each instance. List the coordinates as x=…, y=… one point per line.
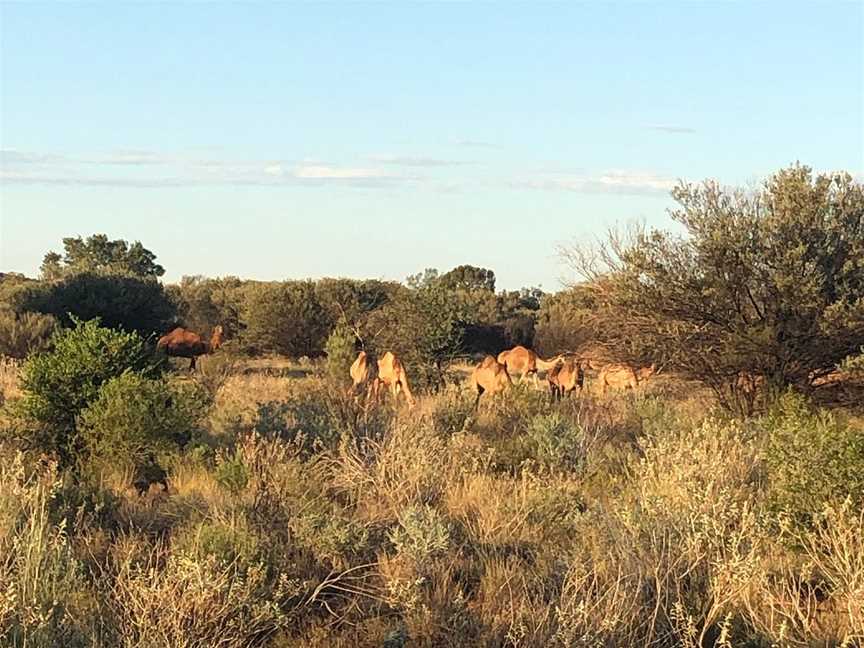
x=635, y=520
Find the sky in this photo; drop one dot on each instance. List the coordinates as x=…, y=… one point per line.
x=292, y=140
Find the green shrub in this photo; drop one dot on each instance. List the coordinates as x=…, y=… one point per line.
x=24, y=333
x=226, y=541
x=340, y=353
x=332, y=537
x=422, y=534
x=555, y=442
x=119, y=301
x=231, y=472
x=813, y=458
x=60, y=384
x=134, y=417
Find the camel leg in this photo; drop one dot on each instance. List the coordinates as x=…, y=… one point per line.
x=477, y=400
x=192, y=364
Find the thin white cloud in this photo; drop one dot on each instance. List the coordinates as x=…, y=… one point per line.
x=678, y=130
x=320, y=172
x=411, y=161
x=471, y=143
x=615, y=181
x=131, y=158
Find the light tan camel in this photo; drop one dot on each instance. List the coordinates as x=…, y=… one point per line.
x=522, y=362
x=622, y=376
x=183, y=343
x=391, y=373
x=364, y=372
x=565, y=378
x=489, y=376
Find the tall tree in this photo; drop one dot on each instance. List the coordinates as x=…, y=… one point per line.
x=767, y=283
x=99, y=254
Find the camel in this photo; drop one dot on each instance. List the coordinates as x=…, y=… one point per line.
x=390, y=372
x=364, y=371
x=565, y=378
x=183, y=343
x=622, y=376
x=489, y=376
x=522, y=361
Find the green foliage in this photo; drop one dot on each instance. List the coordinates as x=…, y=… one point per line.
x=231, y=473
x=769, y=282
x=285, y=318
x=423, y=328
x=556, y=442
x=203, y=303
x=468, y=277
x=452, y=411
x=24, y=333
x=99, y=254
x=813, y=458
x=564, y=321
x=332, y=537
x=341, y=352
x=119, y=301
x=226, y=542
x=134, y=418
x=421, y=534
x=60, y=384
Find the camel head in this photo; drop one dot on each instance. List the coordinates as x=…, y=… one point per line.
x=216, y=338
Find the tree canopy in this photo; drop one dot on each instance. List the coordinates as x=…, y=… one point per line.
x=767, y=283
x=97, y=253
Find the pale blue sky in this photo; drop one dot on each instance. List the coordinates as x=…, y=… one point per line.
x=286, y=140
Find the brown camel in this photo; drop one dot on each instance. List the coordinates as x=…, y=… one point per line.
x=391, y=373
x=565, y=378
x=364, y=371
x=521, y=361
x=183, y=343
x=489, y=376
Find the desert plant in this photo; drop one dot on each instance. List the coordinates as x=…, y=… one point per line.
x=60, y=384
x=134, y=418
x=765, y=283
x=24, y=333
x=813, y=457
x=341, y=351
x=421, y=534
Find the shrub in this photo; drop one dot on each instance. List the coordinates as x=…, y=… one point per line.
x=555, y=442
x=231, y=472
x=60, y=384
x=24, y=333
x=119, y=301
x=452, y=411
x=813, y=458
x=284, y=318
x=332, y=537
x=341, y=353
x=421, y=534
x=134, y=418
x=305, y=420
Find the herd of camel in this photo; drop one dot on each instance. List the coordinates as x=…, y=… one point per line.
x=564, y=374
x=492, y=375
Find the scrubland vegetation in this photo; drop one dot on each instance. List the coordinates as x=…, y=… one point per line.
x=719, y=504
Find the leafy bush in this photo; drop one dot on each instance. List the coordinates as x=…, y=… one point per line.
x=341, y=353
x=284, y=318
x=24, y=333
x=119, y=301
x=231, y=472
x=422, y=533
x=332, y=537
x=813, y=458
x=60, y=384
x=134, y=418
x=555, y=442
